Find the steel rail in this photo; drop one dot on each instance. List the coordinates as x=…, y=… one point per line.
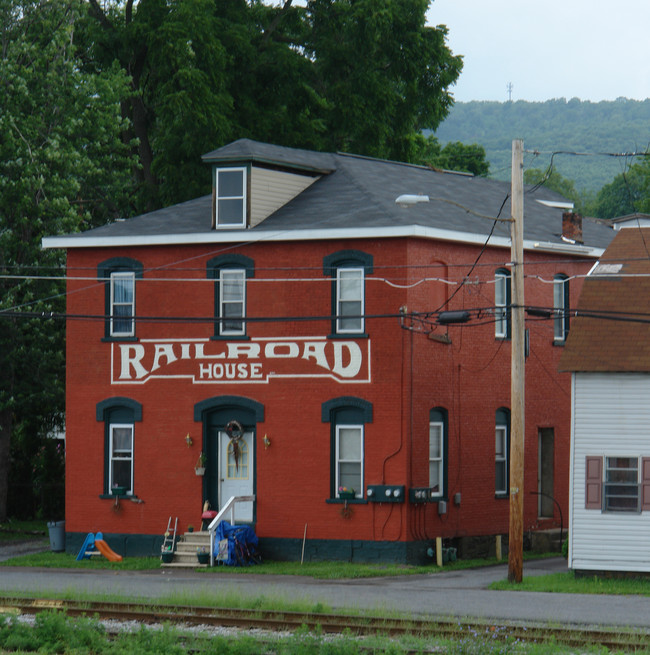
x=284, y=621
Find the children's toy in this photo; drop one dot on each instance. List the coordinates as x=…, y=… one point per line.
x=94, y=544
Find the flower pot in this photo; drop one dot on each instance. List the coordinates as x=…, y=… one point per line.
x=347, y=495
x=200, y=470
x=118, y=491
x=167, y=556
x=204, y=558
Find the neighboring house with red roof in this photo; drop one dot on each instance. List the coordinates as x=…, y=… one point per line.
x=288, y=328
x=608, y=354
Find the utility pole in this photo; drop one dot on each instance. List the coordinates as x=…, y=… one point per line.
x=517, y=372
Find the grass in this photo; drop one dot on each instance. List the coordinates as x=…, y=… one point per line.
x=568, y=583
x=55, y=633
x=13, y=530
x=317, y=570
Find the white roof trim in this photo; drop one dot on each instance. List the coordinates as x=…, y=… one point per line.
x=256, y=236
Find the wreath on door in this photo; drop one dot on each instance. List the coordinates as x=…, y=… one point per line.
x=235, y=431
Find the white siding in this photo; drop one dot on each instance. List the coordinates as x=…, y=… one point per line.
x=272, y=189
x=611, y=416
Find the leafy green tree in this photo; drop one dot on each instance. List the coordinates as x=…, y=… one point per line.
x=383, y=73
x=627, y=193
x=454, y=156
x=551, y=179
x=64, y=167
x=365, y=76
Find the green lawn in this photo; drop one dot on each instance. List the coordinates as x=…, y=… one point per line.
x=568, y=583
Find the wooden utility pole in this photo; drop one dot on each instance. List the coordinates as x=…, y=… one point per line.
x=517, y=373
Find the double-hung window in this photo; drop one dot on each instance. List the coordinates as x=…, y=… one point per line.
x=347, y=417
x=621, y=484
x=231, y=197
x=561, y=308
x=121, y=456
x=119, y=275
x=119, y=416
x=501, y=454
x=232, y=301
x=230, y=273
x=122, y=302
x=437, y=453
x=349, y=458
x=348, y=270
x=502, y=304
x=349, y=300
x=617, y=483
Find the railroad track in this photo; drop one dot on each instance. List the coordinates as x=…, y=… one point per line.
x=281, y=621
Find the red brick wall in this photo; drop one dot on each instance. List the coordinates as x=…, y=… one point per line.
x=410, y=374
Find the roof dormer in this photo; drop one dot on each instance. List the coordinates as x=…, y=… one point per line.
x=252, y=180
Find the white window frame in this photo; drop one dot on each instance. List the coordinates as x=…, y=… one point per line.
x=113, y=458
x=224, y=318
x=240, y=198
x=561, y=318
x=501, y=319
x=437, y=433
x=501, y=457
x=633, y=487
x=340, y=301
x=115, y=318
x=358, y=492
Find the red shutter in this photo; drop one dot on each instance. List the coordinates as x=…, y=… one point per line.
x=645, y=483
x=593, y=482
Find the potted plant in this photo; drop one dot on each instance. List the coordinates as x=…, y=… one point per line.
x=346, y=493
x=199, y=469
x=190, y=528
x=203, y=555
x=118, y=490
x=167, y=555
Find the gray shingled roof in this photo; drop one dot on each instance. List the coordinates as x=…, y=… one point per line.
x=244, y=150
x=360, y=192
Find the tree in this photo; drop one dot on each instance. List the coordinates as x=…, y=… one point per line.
x=362, y=76
x=64, y=168
x=454, y=156
x=383, y=74
x=627, y=193
x=553, y=180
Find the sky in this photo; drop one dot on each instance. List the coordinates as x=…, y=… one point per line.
x=587, y=49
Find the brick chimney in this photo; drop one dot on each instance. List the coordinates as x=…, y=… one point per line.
x=572, y=227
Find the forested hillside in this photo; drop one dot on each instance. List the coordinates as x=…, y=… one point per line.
x=555, y=125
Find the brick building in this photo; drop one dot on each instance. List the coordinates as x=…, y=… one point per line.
x=287, y=328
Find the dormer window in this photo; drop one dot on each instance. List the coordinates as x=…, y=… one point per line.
x=230, y=191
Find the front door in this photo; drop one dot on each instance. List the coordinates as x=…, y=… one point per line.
x=236, y=473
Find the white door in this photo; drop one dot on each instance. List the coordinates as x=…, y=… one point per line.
x=236, y=473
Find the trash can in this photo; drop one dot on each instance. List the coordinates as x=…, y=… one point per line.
x=57, y=536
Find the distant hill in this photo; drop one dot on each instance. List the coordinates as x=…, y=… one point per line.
x=573, y=125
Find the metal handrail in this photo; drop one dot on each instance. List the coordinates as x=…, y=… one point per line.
x=229, y=506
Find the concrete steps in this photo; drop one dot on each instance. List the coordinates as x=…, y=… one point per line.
x=547, y=541
x=186, y=549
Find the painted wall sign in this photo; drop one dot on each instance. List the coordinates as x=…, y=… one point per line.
x=204, y=361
